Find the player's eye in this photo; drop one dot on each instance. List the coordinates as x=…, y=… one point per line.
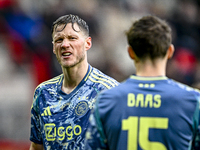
x=72, y=37
x=59, y=40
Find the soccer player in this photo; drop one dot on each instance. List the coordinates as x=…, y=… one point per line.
x=61, y=105
x=148, y=111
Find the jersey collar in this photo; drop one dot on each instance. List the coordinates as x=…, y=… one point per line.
x=148, y=78
x=80, y=84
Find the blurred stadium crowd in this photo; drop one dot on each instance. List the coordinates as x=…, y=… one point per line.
x=26, y=57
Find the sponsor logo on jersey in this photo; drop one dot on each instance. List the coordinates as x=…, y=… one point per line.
x=55, y=133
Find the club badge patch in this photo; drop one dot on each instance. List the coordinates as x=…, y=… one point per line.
x=81, y=108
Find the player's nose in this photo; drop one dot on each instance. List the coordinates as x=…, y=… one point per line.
x=65, y=43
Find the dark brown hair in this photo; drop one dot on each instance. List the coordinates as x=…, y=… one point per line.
x=149, y=37
x=64, y=20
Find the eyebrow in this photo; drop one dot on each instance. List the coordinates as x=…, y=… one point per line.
x=58, y=34
x=61, y=35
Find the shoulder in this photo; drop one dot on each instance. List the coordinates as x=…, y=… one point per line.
x=110, y=97
x=49, y=83
x=184, y=93
x=115, y=92
x=183, y=87
x=101, y=79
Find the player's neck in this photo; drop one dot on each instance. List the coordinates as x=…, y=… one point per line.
x=151, y=69
x=73, y=76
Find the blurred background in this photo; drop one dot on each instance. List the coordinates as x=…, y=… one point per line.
x=27, y=59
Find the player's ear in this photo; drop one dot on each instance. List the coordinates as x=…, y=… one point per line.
x=131, y=53
x=88, y=43
x=170, y=51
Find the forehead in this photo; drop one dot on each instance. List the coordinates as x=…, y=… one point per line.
x=67, y=29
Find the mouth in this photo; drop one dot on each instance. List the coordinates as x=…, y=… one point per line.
x=66, y=54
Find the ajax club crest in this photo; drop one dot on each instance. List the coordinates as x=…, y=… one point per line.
x=81, y=108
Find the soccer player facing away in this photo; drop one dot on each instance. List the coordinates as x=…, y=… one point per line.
x=61, y=105
x=148, y=111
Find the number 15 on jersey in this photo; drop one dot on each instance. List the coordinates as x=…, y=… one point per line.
x=138, y=129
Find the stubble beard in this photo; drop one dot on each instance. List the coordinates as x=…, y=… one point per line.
x=78, y=60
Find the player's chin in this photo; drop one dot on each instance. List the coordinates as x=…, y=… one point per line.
x=68, y=65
